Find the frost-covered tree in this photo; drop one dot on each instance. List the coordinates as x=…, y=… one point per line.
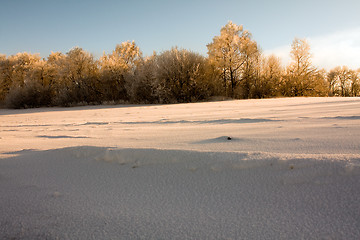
x=143, y=86
x=355, y=83
x=345, y=77
x=302, y=78
x=331, y=78
x=30, y=83
x=232, y=53
x=271, y=76
x=180, y=76
x=76, y=77
x=54, y=64
x=22, y=63
x=343, y=81
x=251, y=84
x=6, y=70
x=17, y=88
x=76, y=66
x=116, y=67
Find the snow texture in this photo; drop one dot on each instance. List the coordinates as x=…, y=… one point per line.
x=250, y=169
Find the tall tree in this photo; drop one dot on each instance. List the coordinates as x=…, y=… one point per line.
x=76, y=77
x=115, y=68
x=302, y=78
x=231, y=53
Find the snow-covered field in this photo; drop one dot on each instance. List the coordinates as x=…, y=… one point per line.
x=291, y=170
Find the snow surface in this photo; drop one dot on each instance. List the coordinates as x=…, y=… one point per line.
x=291, y=170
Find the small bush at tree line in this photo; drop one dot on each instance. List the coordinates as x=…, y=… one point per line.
x=234, y=68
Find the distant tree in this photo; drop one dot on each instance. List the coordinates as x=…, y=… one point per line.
x=271, y=76
x=6, y=70
x=302, y=78
x=39, y=81
x=23, y=63
x=319, y=84
x=22, y=76
x=116, y=67
x=235, y=67
x=33, y=90
x=343, y=81
x=76, y=77
x=355, y=83
x=180, y=76
x=55, y=62
x=345, y=76
x=251, y=84
x=231, y=53
x=54, y=71
x=143, y=87
x=31, y=94
x=76, y=66
x=213, y=80
x=331, y=78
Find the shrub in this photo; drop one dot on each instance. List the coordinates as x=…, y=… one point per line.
x=30, y=95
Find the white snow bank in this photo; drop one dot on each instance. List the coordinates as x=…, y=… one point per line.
x=252, y=169
x=96, y=193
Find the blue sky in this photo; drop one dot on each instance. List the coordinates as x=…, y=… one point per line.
x=44, y=26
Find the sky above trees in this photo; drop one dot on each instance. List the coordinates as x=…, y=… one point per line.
x=332, y=27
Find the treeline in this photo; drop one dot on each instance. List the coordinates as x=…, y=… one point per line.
x=234, y=67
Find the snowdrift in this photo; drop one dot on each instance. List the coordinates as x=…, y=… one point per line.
x=96, y=193
x=256, y=169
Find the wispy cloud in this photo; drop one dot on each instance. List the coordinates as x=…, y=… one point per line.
x=335, y=49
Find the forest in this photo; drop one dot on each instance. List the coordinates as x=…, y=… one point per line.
x=235, y=67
